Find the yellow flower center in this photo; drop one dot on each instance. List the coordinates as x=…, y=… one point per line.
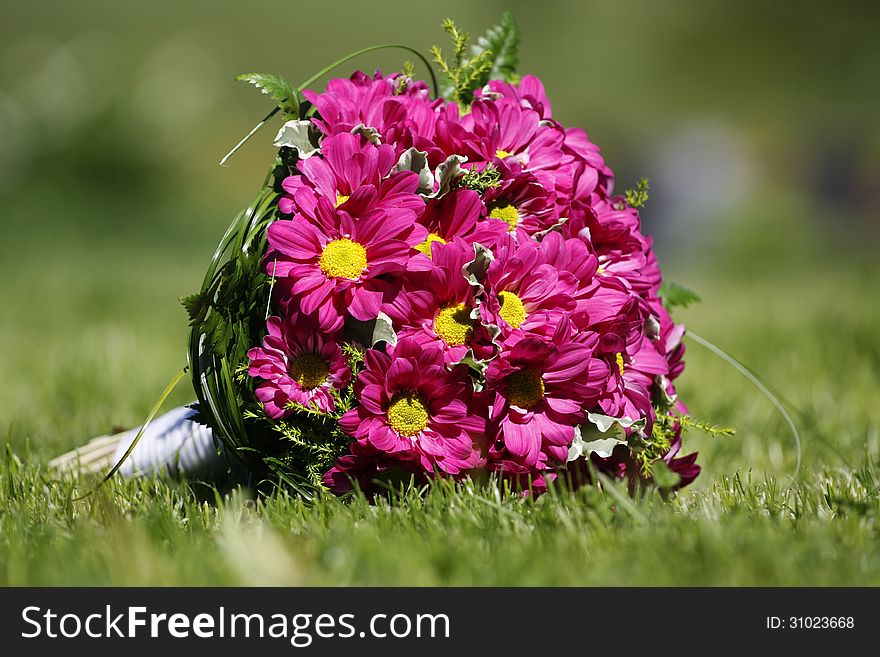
x=343, y=258
x=425, y=247
x=501, y=154
x=525, y=388
x=341, y=198
x=619, y=358
x=309, y=370
x=454, y=325
x=407, y=414
x=506, y=213
x=512, y=309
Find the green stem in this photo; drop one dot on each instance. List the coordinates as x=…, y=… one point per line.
x=152, y=414
x=362, y=51
x=760, y=385
x=327, y=69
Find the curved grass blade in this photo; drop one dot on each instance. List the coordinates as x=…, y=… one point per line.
x=150, y=416
x=760, y=385
x=326, y=70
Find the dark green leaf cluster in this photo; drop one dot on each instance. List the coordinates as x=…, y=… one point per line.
x=503, y=42
x=227, y=317
x=493, y=56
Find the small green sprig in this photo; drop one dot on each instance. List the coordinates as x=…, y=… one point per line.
x=464, y=72
x=648, y=449
x=405, y=77
x=480, y=180
x=710, y=429
x=638, y=197
x=276, y=87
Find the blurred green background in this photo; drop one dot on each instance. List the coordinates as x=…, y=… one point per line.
x=756, y=122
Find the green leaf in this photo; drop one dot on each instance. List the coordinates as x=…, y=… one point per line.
x=674, y=295
x=277, y=87
x=502, y=41
x=663, y=477
x=195, y=304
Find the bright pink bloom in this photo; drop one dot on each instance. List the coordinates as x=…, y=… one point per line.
x=588, y=172
x=629, y=389
x=541, y=390
x=524, y=293
x=614, y=230
x=397, y=109
x=354, y=175
x=457, y=214
x=505, y=129
x=339, y=265
x=521, y=201
x=299, y=365
x=412, y=406
x=437, y=306
x=529, y=92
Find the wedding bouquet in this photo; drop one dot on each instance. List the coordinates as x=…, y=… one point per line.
x=436, y=285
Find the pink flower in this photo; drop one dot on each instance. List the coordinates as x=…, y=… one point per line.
x=588, y=171
x=457, y=215
x=299, y=365
x=524, y=293
x=436, y=307
x=629, y=389
x=541, y=390
x=529, y=92
x=575, y=257
x=339, y=265
x=397, y=109
x=505, y=129
x=414, y=407
x=614, y=230
x=354, y=175
x=521, y=201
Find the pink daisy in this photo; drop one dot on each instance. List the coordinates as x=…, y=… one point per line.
x=354, y=175
x=457, y=215
x=338, y=265
x=299, y=365
x=505, y=129
x=414, y=407
x=521, y=201
x=524, y=293
x=437, y=306
x=396, y=108
x=629, y=389
x=529, y=92
x=541, y=389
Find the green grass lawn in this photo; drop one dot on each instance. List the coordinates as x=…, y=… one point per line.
x=91, y=333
